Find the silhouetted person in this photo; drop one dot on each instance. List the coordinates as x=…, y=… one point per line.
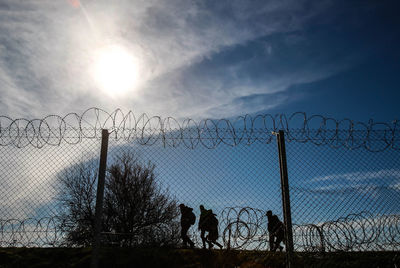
x=213, y=234
x=276, y=231
x=187, y=219
x=208, y=222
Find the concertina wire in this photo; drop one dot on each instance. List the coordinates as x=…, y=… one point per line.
x=209, y=133
x=242, y=228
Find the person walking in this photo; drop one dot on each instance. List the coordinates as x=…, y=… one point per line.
x=208, y=223
x=187, y=219
x=276, y=231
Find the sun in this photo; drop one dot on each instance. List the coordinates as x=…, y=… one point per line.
x=115, y=70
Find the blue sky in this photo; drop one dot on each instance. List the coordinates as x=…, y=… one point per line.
x=209, y=59
x=203, y=58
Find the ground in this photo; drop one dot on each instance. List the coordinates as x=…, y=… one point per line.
x=164, y=257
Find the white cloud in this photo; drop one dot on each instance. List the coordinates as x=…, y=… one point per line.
x=360, y=175
x=28, y=179
x=47, y=48
x=362, y=183
x=395, y=186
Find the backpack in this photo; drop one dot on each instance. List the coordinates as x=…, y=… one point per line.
x=276, y=224
x=191, y=217
x=210, y=221
x=213, y=221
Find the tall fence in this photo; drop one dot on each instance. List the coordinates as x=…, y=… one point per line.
x=344, y=178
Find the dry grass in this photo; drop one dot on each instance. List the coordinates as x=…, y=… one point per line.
x=164, y=257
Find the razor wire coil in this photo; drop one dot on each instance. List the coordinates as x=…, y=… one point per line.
x=242, y=228
x=208, y=133
x=246, y=227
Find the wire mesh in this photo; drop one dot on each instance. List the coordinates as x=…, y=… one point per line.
x=238, y=183
x=30, y=191
x=222, y=178
x=344, y=178
x=344, y=200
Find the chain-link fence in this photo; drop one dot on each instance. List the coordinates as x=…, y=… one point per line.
x=344, y=199
x=344, y=180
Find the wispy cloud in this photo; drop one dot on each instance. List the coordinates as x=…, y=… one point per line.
x=360, y=175
x=29, y=184
x=380, y=186
x=395, y=186
x=47, y=50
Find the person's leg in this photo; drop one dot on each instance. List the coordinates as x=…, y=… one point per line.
x=271, y=242
x=188, y=238
x=279, y=239
x=203, y=239
x=209, y=239
x=213, y=236
x=191, y=243
x=184, y=230
x=218, y=244
x=210, y=244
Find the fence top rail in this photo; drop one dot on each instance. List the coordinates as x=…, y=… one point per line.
x=208, y=133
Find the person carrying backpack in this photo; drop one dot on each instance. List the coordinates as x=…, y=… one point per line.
x=276, y=231
x=213, y=233
x=208, y=223
x=187, y=219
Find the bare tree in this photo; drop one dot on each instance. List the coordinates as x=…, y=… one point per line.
x=77, y=202
x=137, y=211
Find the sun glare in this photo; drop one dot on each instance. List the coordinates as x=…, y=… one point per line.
x=115, y=70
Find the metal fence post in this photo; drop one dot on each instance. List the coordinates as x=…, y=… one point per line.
x=99, y=198
x=285, y=196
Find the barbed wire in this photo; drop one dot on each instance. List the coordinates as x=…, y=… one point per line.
x=246, y=227
x=31, y=232
x=355, y=232
x=242, y=228
x=209, y=133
